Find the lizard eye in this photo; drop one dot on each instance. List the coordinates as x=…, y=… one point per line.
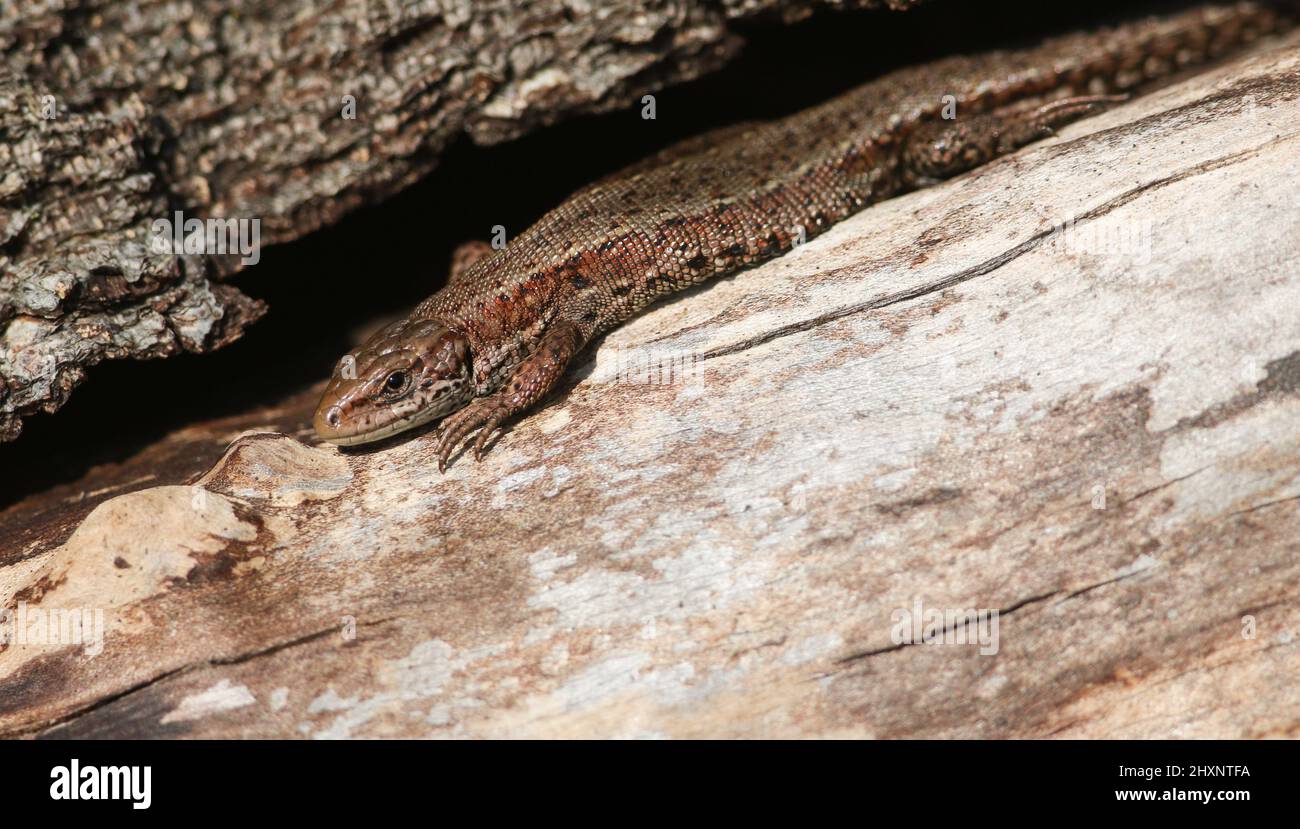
x=396, y=382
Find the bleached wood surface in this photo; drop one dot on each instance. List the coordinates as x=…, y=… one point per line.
x=940, y=401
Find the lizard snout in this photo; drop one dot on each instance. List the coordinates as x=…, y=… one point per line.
x=328, y=422
x=328, y=419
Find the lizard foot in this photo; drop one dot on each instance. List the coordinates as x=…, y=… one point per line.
x=485, y=414
x=532, y=380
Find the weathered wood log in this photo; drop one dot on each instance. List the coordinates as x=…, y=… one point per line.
x=1065, y=388
x=116, y=113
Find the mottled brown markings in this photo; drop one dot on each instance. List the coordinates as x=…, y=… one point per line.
x=47, y=676
x=932, y=497
x=34, y=592
x=1282, y=380
x=221, y=565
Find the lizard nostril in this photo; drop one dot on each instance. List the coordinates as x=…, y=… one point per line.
x=333, y=417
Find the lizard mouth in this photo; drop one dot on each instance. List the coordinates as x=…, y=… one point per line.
x=354, y=437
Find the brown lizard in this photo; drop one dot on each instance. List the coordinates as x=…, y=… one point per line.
x=499, y=336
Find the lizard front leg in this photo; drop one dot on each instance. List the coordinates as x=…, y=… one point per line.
x=531, y=381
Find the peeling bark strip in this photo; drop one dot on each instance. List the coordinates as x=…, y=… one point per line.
x=233, y=109
x=973, y=414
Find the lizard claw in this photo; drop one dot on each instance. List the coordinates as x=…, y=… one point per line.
x=488, y=430
x=484, y=415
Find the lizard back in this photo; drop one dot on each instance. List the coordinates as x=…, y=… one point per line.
x=735, y=197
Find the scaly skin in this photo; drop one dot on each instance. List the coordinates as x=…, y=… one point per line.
x=499, y=336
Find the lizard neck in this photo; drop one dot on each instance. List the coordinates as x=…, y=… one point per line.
x=497, y=342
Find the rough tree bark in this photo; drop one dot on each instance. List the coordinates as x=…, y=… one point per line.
x=232, y=108
x=1065, y=387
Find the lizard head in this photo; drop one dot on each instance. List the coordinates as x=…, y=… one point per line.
x=407, y=374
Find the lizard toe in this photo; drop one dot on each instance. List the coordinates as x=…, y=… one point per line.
x=483, y=415
x=485, y=434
